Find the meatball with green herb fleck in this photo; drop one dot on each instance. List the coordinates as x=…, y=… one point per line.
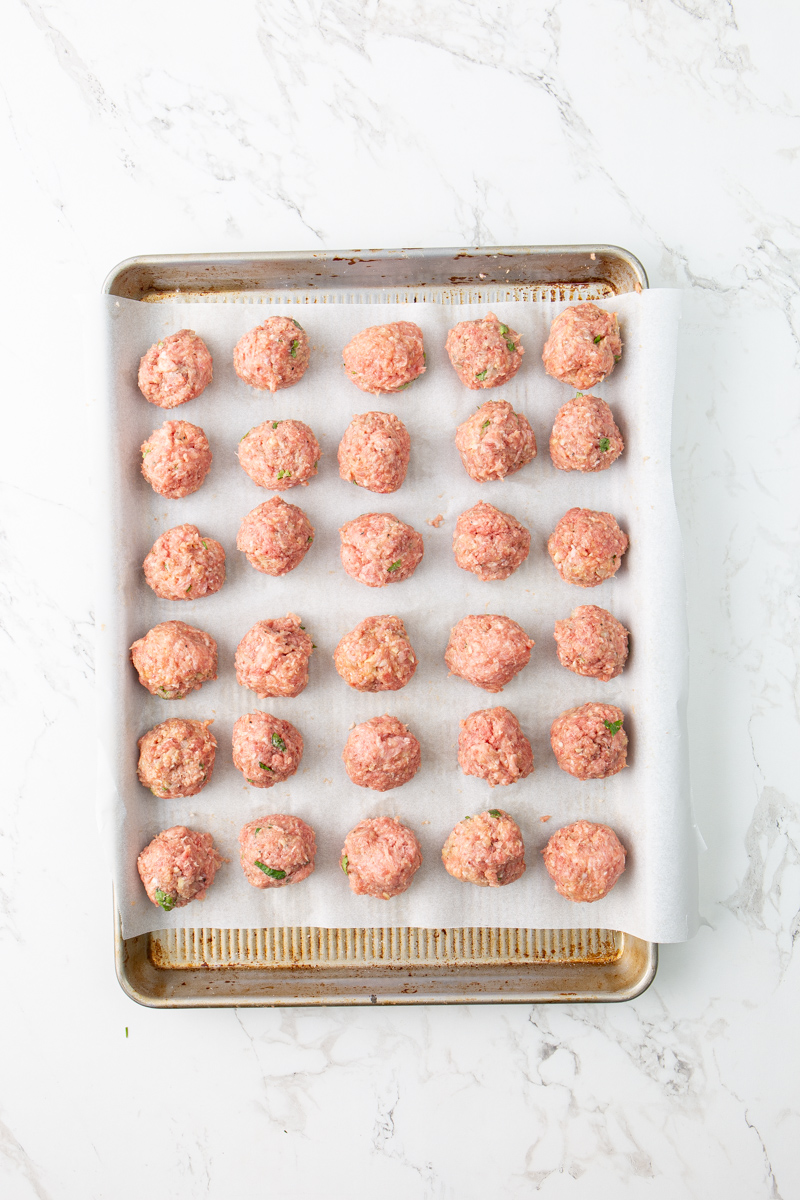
x=182, y=565
x=486, y=849
x=178, y=866
x=374, y=452
x=380, y=857
x=484, y=353
x=275, y=537
x=272, y=657
x=173, y=659
x=274, y=355
x=175, y=370
x=266, y=749
x=176, y=459
x=585, y=436
x=489, y=542
x=583, y=347
x=277, y=850
x=376, y=656
x=378, y=549
x=495, y=441
x=589, y=742
x=280, y=454
x=385, y=358
x=587, y=547
x=381, y=754
x=176, y=758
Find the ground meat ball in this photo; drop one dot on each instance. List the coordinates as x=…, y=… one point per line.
x=589, y=742
x=274, y=355
x=380, y=858
x=173, y=659
x=277, y=850
x=490, y=543
x=486, y=849
x=275, y=536
x=585, y=436
x=485, y=353
x=376, y=656
x=487, y=650
x=381, y=754
x=583, y=346
x=280, y=454
x=175, y=370
x=584, y=861
x=176, y=459
x=592, y=642
x=272, y=658
x=177, y=758
x=182, y=565
x=492, y=746
x=178, y=866
x=495, y=442
x=378, y=549
x=385, y=358
x=374, y=452
x=265, y=749
x=587, y=547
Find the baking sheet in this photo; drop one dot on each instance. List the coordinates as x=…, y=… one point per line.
x=647, y=803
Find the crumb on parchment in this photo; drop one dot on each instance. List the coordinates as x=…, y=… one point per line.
x=435, y=521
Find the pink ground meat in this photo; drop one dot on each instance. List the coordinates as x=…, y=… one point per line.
x=376, y=656
x=589, y=742
x=182, y=565
x=272, y=657
x=585, y=436
x=274, y=355
x=492, y=746
x=176, y=459
x=173, y=659
x=378, y=549
x=583, y=346
x=584, y=861
x=487, y=650
x=385, y=358
x=495, y=442
x=178, y=866
x=176, y=758
x=486, y=849
x=277, y=850
x=275, y=536
x=175, y=370
x=381, y=754
x=484, y=353
x=374, y=452
x=265, y=749
x=490, y=543
x=280, y=454
x=380, y=858
x=587, y=547
x=591, y=642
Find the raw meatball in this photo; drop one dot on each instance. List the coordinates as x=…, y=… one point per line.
x=277, y=850
x=274, y=355
x=485, y=353
x=275, y=536
x=381, y=754
x=272, y=658
x=177, y=758
x=380, y=858
x=492, y=746
x=178, y=866
x=176, y=459
x=487, y=650
x=374, y=452
x=490, y=543
x=587, y=547
x=385, y=358
x=584, y=861
x=175, y=370
x=486, y=849
x=583, y=346
x=589, y=742
x=585, y=436
x=280, y=454
x=592, y=642
x=376, y=656
x=378, y=549
x=495, y=442
x=265, y=749
x=173, y=659
x=184, y=566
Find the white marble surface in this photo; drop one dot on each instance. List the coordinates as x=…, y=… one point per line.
x=670, y=128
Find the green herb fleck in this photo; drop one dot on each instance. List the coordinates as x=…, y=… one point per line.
x=258, y=830
x=403, y=386
x=147, y=451
x=278, y=741
x=393, y=566
x=467, y=818
x=495, y=812
x=311, y=538
x=293, y=350
x=482, y=374
x=275, y=424
x=297, y=323
x=604, y=444
x=613, y=727
x=579, y=395
x=424, y=357
x=486, y=423
x=510, y=346
x=316, y=464
x=343, y=863
x=273, y=872
x=205, y=543
x=167, y=902
x=302, y=626
x=284, y=474
x=599, y=338
x=189, y=588
x=126, y=1031
x=504, y=330
x=264, y=767
x=617, y=357
x=164, y=692
x=244, y=435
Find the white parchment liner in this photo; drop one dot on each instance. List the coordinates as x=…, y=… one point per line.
x=647, y=804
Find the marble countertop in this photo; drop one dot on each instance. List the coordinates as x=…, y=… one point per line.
x=670, y=128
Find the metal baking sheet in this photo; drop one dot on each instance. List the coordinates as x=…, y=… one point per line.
x=307, y=966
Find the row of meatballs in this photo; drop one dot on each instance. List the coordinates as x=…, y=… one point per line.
x=380, y=857
x=582, y=349
x=375, y=450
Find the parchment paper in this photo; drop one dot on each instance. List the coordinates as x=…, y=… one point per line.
x=647, y=804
